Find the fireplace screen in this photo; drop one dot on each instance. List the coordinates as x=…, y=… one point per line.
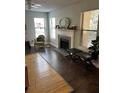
x=64, y=42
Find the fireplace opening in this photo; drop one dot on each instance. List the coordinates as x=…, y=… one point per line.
x=64, y=42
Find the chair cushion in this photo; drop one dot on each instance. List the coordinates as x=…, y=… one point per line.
x=40, y=38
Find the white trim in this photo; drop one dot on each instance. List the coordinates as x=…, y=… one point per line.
x=68, y=33
x=53, y=44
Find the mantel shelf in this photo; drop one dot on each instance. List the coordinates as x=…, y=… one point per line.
x=68, y=28
x=65, y=29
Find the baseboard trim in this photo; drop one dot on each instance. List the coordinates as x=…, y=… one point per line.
x=53, y=44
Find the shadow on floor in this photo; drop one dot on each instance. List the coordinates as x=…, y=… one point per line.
x=81, y=79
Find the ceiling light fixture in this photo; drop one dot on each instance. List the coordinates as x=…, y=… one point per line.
x=33, y=5
x=30, y=4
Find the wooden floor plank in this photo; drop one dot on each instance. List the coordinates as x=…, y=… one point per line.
x=43, y=78
x=82, y=80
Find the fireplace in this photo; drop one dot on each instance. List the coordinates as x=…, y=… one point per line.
x=64, y=42
x=66, y=37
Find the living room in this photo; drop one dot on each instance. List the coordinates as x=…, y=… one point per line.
x=63, y=31
x=49, y=66
x=72, y=11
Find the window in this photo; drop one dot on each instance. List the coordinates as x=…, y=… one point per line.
x=90, y=27
x=39, y=26
x=52, y=28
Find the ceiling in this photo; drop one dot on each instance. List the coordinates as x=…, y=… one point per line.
x=50, y=5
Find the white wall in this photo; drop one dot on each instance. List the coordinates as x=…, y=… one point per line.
x=73, y=12
x=29, y=21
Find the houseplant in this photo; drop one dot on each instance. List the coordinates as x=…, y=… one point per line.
x=94, y=48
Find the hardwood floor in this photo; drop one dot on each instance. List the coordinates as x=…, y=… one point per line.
x=43, y=78
x=81, y=79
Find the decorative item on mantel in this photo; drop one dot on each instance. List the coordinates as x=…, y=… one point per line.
x=57, y=26
x=64, y=24
x=73, y=27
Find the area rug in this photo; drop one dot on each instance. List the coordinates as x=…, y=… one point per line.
x=61, y=51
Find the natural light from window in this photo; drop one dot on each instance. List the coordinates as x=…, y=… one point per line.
x=52, y=27
x=39, y=26
x=90, y=27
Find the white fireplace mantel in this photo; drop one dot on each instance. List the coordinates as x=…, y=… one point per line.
x=68, y=33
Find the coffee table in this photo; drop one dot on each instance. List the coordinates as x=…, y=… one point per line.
x=79, y=55
x=72, y=53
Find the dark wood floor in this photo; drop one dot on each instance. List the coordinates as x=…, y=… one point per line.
x=83, y=80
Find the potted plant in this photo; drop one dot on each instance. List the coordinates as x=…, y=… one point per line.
x=94, y=49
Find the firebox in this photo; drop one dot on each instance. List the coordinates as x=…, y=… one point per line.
x=64, y=42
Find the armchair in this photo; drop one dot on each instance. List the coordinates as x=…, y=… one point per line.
x=39, y=41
